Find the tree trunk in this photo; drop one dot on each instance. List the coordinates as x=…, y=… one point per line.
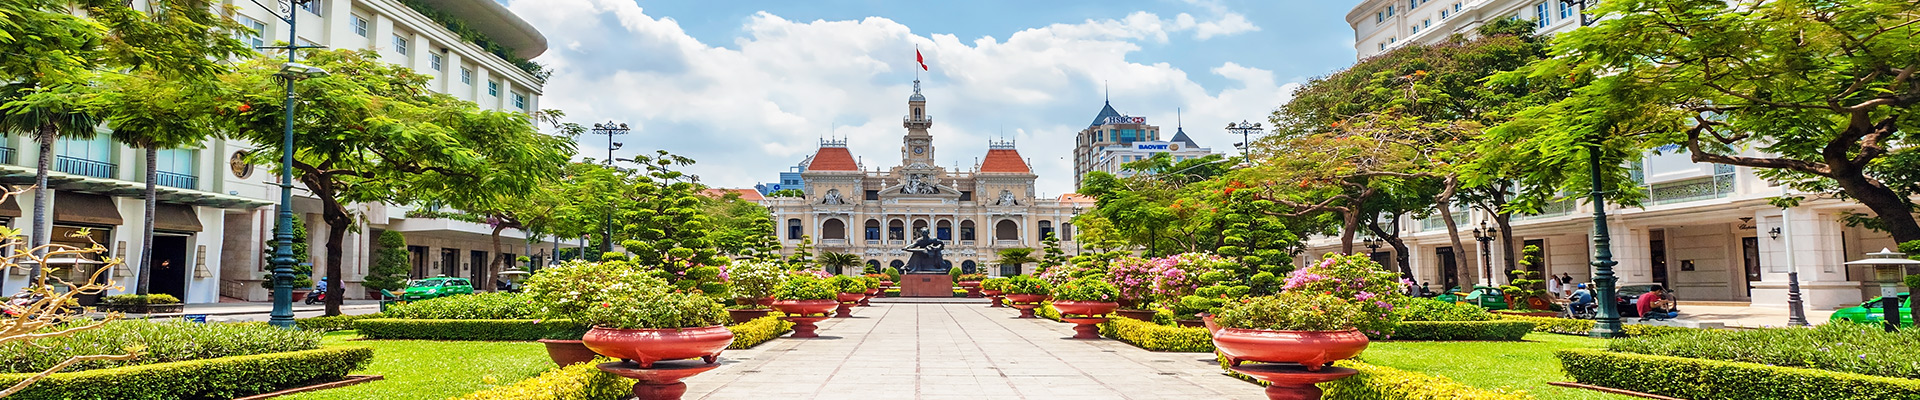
x=42, y=198
x=1399, y=247
x=1463, y=270
x=1892, y=210
x=337, y=224
x=1505, y=223
x=146, y=231
x=1349, y=222
x=493, y=268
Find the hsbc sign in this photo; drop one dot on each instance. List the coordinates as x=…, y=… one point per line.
x=1126, y=120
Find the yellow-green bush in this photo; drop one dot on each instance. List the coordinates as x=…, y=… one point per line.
x=1047, y=311
x=332, y=323
x=1386, y=383
x=1156, y=337
x=212, y=378
x=1567, y=326
x=574, y=382
x=1700, y=379
x=759, y=330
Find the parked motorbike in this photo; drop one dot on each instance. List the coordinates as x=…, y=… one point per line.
x=318, y=296
x=18, y=304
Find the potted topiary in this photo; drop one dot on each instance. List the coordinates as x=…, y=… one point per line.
x=873, y=289
x=1026, y=293
x=651, y=324
x=1085, y=302
x=994, y=288
x=971, y=283
x=753, y=283
x=805, y=299
x=850, y=291
x=1312, y=329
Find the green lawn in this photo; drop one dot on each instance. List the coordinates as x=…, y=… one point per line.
x=1526, y=365
x=424, y=369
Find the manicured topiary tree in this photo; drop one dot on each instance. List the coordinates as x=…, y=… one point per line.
x=389, y=269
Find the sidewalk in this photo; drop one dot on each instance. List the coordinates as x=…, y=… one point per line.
x=259, y=311
x=1743, y=316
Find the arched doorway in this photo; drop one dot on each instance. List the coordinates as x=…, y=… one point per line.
x=897, y=264
x=1046, y=229
x=918, y=224
x=873, y=266
x=896, y=230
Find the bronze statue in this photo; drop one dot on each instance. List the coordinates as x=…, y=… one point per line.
x=926, y=253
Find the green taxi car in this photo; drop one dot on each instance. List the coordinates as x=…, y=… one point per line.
x=436, y=287
x=1870, y=312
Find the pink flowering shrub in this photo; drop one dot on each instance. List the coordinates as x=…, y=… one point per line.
x=1135, y=278
x=1060, y=275
x=1358, y=279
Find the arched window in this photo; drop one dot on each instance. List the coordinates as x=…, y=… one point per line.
x=966, y=230
x=1066, y=231
x=1006, y=229
x=966, y=267
x=833, y=229
x=873, y=266
x=896, y=231
x=873, y=229
x=1046, y=229
x=897, y=264
x=793, y=229
x=918, y=224
x=943, y=230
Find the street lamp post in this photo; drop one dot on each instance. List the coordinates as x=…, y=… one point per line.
x=1607, y=321
x=1888, y=266
x=1796, y=310
x=1246, y=131
x=610, y=129
x=283, y=259
x=1484, y=234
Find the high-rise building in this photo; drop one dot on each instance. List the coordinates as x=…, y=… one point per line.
x=874, y=213
x=1114, y=139
x=1706, y=230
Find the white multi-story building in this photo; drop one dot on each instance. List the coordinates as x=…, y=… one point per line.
x=1706, y=230
x=215, y=213
x=1114, y=139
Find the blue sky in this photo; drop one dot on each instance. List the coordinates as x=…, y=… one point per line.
x=748, y=87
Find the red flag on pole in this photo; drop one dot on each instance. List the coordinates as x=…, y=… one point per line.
x=921, y=59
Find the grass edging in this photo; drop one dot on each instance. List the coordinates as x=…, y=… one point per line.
x=1702, y=379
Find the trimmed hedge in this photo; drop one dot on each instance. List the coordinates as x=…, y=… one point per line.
x=332, y=323
x=1156, y=337
x=469, y=329
x=214, y=378
x=1699, y=379
x=494, y=305
x=759, y=330
x=161, y=341
x=1839, y=347
x=1463, y=330
x=574, y=382
x=1580, y=327
x=1386, y=383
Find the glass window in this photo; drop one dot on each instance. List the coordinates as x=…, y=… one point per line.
x=312, y=6
x=1389, y=11
x=179, y=161
x=1540, y=16
x=99, y=148
x=433, y=61
x=400, y=44
x=1566, y=9
x=359, y=24
x=493, y=88
x=1380, y=17
x=466, y=75
x=519, y=101
x=257, y=28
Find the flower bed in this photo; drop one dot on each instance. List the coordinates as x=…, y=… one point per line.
x=1700, y=379
x=162, y=342
x=213, y=378
x=1156, y=337
x=1462, y=330
x=469, y=329
x=574, y=382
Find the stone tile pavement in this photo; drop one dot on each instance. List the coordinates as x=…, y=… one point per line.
x=959, y=351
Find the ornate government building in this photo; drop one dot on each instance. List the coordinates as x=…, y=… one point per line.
x=873, y=213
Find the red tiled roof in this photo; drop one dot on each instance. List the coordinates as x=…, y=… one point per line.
x=1004, y=160
x=1076, y=198
x=833, y=159
x=745, y=194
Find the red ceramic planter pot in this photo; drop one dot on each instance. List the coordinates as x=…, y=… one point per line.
x=1312, y=349
x=567, y=352
x=645, y=346
x=1085, y=308
x=804, y=307
x=1207, y=320
x=849, y=297
x=972, y=288
x=1026, y=298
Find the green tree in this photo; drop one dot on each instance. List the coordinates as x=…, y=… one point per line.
x=151, y=112
x=663, y=221
x=1825, y=91
x=1017, y=257
x=389, y=269
x=787, y=193
x=802, y=257
x=836, y=263
x=373, y=132
x=1051, y=246
x=740, y=227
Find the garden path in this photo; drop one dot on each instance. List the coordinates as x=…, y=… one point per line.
x=959, y=351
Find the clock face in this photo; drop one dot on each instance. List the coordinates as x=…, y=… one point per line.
x=919, y=150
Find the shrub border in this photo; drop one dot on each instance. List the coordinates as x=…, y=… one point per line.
x=1580, y=327
x=759, y=330
x=224, y=377
x=1702, y=379
x=1156, y=337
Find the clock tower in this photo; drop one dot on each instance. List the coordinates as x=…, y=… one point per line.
x=916, y=151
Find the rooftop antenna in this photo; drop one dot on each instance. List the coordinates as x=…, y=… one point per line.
x=1108, y=89
x=1177, y=119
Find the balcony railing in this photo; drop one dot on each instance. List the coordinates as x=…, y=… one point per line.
x=1435, y=222
x=81, y=166
x=833, y=242
x=6, y=155
x=182, y=181
x=1551, y=209
x=1717, y=186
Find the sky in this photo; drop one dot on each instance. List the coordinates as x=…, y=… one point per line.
x=749, y=88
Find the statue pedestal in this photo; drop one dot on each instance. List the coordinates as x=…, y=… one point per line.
x=926, y=285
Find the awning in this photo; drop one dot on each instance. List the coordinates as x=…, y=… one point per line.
x=82, y=208
x=10, y=208
x=175, y=217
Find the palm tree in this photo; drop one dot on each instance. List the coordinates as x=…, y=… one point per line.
x=1016, y=257
x=837, y=262
x=48, y=112
x=148, y=111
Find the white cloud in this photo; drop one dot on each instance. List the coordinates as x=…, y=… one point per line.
x=750, y=111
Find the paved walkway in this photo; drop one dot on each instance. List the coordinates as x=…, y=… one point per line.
x=959, y=351
x=1745, y=316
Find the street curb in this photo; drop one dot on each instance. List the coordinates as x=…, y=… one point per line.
x=225, y=313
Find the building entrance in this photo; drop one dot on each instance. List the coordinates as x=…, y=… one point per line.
x=170, y=270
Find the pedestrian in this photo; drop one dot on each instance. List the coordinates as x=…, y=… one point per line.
x=1553, y=284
